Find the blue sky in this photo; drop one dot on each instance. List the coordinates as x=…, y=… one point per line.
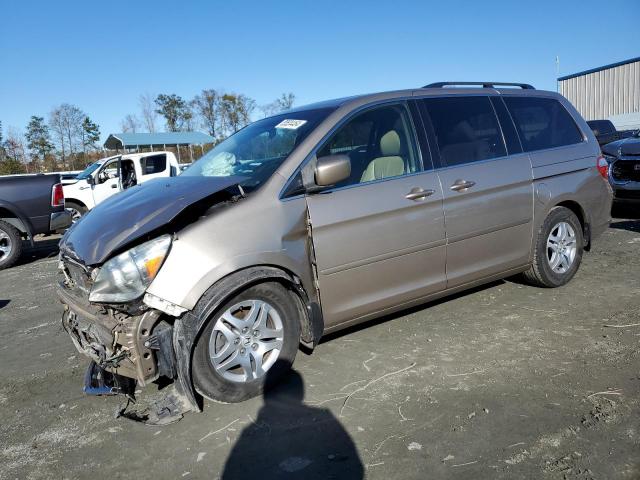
x=101, y=56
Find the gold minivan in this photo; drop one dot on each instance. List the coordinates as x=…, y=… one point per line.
x=322, y=217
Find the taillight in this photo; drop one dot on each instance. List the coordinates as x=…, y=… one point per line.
x=603, y=166
x=57, y=196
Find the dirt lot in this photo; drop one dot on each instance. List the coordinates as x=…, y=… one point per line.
x=506, y=381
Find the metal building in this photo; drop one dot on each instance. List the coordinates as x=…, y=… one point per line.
x=156, y=141
x=605, y=91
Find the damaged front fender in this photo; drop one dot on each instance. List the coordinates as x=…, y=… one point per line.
x=187, y=328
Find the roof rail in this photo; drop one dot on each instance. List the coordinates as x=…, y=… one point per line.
x=524, y=86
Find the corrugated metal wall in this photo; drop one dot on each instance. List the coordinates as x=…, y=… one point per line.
x=607, y=92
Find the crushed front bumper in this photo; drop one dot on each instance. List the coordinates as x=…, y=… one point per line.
x=138, y=347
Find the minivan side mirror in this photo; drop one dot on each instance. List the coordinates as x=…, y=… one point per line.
x=332, y=169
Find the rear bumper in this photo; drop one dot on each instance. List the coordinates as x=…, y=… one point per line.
x=59, y=221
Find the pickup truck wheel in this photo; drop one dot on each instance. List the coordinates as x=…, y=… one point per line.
x=76, y=210
x=558, y=250
x=247, y=344
x=10, y=245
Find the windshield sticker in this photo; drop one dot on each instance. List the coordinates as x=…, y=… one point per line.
x=291, y=124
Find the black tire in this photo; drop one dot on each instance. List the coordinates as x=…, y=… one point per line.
x=81, y=209
x=209, y=383
x=10, y=236
x=541, y=274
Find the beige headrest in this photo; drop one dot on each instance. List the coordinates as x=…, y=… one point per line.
x=390, y=144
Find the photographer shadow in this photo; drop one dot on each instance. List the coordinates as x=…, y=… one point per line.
x=292, y=440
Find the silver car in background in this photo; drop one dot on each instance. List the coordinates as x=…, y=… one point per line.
x=326, y=216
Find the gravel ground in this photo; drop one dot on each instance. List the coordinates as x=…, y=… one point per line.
x=505, y=381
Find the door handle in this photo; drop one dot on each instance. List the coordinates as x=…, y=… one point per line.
x=418, y=194
x=461, y=185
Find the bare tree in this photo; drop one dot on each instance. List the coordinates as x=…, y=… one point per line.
x=57, y=126
x=148, y=111
x=66, y=123
x=15, y=150
x=207, y=106
x=284, y=102
x=130, y=123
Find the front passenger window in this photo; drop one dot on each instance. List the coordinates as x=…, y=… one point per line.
x=379, y=142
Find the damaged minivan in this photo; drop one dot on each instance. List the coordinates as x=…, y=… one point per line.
x=322, y=217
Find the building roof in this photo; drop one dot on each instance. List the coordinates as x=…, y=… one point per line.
x=124, y=140
x=599, y=69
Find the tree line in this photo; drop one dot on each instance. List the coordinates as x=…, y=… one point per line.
x=68, y=139
x=217, y=112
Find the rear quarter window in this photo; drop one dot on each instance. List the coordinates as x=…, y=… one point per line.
x=542, y=123
x=154, y=164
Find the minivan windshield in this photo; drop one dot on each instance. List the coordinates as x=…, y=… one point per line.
x=256, y=151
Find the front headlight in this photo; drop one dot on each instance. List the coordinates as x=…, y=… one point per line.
x=127, y=276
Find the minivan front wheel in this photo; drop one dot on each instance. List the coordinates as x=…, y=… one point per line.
x=558, y=249
x=248, y=343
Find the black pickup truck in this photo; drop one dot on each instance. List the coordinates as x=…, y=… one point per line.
x=29, y=205
x=606, y=132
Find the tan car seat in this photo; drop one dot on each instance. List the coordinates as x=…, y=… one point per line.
x=390, y=164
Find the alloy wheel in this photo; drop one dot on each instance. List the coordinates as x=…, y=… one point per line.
x=246, y=340
x=561, y=247
x=5, y=245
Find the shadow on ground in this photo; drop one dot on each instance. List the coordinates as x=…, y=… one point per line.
x=627, y=211
x=44, y=247
x=4, y=303
x=626, y=217
x=289, y=439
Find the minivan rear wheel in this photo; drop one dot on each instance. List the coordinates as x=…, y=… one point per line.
x=247, y=344
x=558, y=250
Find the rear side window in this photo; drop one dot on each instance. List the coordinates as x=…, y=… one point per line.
x=601, y=127
x=542, y=123
x=466, y=129
x=154, y=164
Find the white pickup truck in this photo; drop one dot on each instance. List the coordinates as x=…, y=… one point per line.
x=110, y=175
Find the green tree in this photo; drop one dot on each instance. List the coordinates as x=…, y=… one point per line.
x=175, y=111
x=90, y=135
x=11, y=166
x=235, y=111
x=207, y=106
x=38, y=139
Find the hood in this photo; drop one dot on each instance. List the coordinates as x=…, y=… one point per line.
x=135, y=212
x=626, y=146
